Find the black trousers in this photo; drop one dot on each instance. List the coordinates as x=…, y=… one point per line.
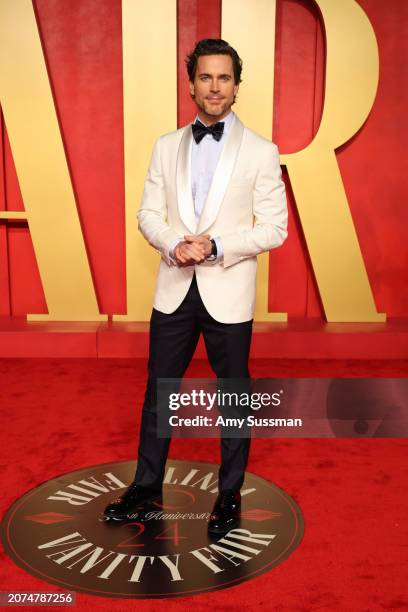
x=173, y=339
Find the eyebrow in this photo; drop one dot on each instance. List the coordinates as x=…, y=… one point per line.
x=209, y=75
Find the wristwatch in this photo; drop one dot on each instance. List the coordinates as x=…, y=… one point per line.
x=213, y=254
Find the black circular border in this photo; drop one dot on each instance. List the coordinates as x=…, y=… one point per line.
x=291, y=547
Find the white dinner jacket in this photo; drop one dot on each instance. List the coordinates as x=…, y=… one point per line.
x=245, y=207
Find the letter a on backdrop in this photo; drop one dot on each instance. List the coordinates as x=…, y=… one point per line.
x=39, y=157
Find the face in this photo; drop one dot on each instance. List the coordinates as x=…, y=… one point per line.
x=214, y=87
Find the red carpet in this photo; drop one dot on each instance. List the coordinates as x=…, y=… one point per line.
x=61, y=415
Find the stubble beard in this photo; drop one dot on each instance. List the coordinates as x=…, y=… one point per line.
x=214, y=111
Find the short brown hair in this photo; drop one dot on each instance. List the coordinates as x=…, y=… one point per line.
x=213, y=46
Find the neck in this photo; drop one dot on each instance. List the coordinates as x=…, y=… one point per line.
x=210, y=119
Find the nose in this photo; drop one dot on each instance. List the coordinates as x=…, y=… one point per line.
x=215, y=86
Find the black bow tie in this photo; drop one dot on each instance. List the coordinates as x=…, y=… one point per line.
x=200, y=130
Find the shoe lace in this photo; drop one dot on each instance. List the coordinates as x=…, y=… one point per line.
x=227, y=498
x=131, y=490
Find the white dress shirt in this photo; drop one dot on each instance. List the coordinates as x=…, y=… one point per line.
x=204, y=159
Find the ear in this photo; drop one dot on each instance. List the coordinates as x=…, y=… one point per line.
x=191, y=85
x=236, y=87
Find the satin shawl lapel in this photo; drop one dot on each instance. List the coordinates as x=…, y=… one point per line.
x=222, y=175
x=183, y=180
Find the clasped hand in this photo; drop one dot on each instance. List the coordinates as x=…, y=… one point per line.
x=193, y=250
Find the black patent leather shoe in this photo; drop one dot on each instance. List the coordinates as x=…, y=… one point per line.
x=124, y=506
x=226, y=512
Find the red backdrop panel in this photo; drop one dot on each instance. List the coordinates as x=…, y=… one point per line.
x=82, y=45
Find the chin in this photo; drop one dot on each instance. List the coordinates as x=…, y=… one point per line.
x=214, y=111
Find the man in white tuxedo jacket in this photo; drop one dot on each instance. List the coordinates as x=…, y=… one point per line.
x=213, y=200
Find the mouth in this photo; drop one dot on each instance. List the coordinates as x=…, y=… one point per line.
x=215, y=99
